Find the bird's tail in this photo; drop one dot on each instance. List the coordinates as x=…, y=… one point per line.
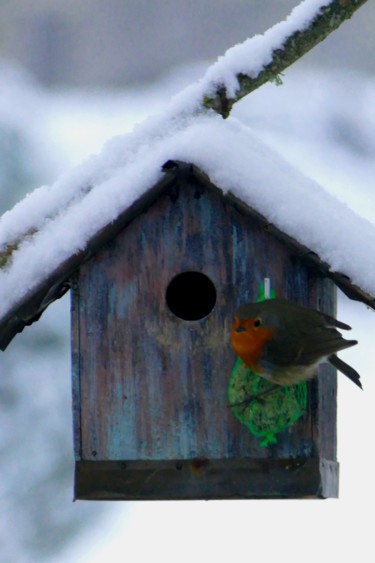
x=345, y=369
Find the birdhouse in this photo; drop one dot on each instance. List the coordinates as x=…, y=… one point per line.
x=151, y=355
x=153, y=296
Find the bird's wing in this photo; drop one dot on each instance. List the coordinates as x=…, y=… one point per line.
x=305, y=347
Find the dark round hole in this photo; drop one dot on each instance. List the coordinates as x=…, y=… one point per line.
x=191, y=296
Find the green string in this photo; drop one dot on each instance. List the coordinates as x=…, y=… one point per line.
x=262, y=293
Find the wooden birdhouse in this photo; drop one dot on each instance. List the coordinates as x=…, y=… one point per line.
x=153, y=295
x=152, y=311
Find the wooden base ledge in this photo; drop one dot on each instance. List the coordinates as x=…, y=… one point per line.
x=206, y=479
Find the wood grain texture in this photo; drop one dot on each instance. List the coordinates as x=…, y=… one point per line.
x=151, y=387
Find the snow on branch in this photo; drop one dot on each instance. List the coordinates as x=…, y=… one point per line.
x=262, y=58
x=241, y=70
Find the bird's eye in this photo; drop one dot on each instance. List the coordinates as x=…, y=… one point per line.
x=257, y=323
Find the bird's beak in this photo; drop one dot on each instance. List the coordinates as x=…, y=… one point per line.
x=238, y=327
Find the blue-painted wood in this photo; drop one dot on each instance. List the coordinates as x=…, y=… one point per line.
x=149, y=386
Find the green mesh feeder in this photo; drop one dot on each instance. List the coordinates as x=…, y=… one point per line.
x=271, y=413
x=274, y=411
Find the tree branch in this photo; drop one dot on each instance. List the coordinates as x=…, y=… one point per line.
x=292, y=48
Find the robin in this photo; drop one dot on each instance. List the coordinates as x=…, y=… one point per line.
x=285, y=342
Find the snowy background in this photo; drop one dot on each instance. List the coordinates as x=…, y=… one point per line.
x=322, y=121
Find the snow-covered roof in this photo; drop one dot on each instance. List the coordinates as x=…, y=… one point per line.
x=45, y=237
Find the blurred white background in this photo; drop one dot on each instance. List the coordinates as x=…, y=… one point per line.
x=74, y=74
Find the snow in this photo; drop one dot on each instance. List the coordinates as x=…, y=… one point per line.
x=55, y=222
x=251, y=56
x=91, y=196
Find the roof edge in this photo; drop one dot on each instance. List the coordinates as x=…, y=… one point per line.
x=176, y=173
